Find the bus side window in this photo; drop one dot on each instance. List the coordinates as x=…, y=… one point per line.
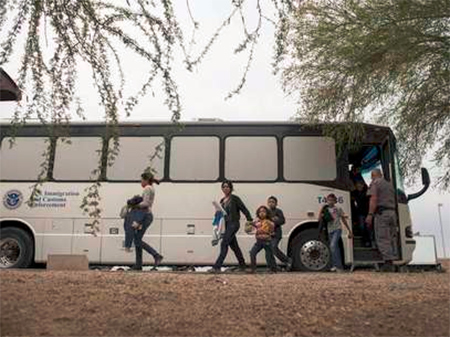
x=76, y=158
x=309, y=159
x=22, y=161
x=242, y=155
x=194, y=158
x=135, y=155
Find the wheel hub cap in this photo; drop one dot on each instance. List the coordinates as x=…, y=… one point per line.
x=314, y=255
x=9, y=252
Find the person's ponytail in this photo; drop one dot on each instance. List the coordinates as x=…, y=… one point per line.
x=148, y=176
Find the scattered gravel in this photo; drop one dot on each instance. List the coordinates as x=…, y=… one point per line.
x=123, y=303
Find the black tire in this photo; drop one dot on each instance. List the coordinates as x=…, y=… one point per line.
x=16, y=248
x=309, y=253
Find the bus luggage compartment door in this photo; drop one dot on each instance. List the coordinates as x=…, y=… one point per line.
x=86, y=240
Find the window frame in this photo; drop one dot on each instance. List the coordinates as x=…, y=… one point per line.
x=169, y=150
x=138, y=179
x=312, y=181
x=279, y=164
x=102, y=158
x=50, y=159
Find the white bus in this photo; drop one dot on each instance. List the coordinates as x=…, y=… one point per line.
x=293, y=162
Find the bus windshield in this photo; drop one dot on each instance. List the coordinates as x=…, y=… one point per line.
x=369, y=162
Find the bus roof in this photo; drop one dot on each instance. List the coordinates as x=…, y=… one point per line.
x=373, y=133
x=34, y=122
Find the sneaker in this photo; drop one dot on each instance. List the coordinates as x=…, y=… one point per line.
x=158, y=260
x=242, y=268
x=333, y=269
x=289, y=265
x=213, y=270
x=236, y=269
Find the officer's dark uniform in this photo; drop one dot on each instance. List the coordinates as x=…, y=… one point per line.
x=385, y=219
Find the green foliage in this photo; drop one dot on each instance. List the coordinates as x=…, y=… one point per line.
x=87, y=31
x=384, y=61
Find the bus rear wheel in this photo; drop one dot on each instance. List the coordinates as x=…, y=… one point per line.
x=16, y=248
x=309, y=253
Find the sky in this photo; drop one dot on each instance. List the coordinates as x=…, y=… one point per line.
x=203, y=92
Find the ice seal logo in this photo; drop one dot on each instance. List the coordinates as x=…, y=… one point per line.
x=12, y=199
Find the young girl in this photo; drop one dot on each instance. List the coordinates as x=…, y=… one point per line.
x=265, y=230
x=335, y=216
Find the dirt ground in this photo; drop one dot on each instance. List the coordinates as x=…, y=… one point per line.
x=104, y=303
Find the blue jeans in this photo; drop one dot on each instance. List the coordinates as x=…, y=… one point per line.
x=139, y=244
x=229, y=240
x=335, y=237
x=276, y=250
x=267, y=246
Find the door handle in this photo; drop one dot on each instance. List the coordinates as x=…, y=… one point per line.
x=190, y=230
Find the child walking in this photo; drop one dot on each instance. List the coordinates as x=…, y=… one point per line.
x=218, y=223
x=265, y=230
x=334, y=216
x=133, y=220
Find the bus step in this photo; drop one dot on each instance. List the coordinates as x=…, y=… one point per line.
x=369, y=263
x=366, y=254
x=358, y=241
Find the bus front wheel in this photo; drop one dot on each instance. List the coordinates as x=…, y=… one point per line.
x=16, y=248
x=309, y=253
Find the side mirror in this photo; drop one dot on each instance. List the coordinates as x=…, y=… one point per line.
x=426, y=183
x=425, y=177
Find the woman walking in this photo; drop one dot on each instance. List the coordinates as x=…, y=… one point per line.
x=148, y=196
x=232, y=205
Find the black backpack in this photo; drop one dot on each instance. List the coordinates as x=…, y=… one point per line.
x=325, y=218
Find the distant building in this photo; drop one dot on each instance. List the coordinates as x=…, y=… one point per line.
x=9, y=91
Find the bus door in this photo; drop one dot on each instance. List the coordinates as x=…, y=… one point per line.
x=366, y=159
x=389, y=174
x=370, y=157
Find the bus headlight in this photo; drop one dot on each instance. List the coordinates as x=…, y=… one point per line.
x=409, y=232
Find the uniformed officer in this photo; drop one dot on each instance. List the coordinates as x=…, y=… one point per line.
x=382, y=215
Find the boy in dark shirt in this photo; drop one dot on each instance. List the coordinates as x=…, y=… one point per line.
x=279, y=220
